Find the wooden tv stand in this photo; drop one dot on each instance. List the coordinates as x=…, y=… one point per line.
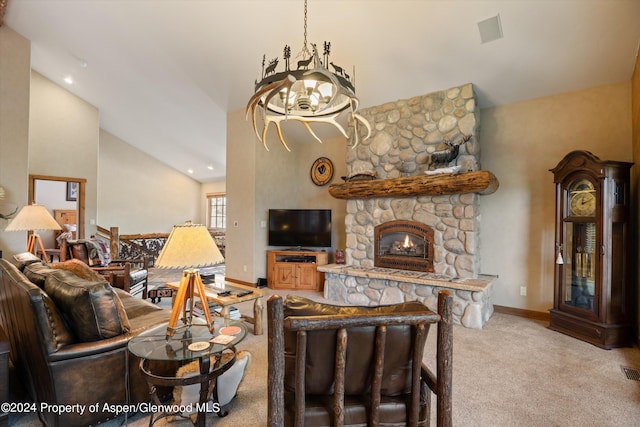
x=295, y=270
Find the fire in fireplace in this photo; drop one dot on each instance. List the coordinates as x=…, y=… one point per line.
x=405, y=245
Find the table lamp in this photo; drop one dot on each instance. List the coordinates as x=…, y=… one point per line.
x=189, y=246
x=33, y=218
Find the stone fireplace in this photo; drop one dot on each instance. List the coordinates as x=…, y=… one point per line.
x=437, y=209
x=405, y=245
x=404, y=137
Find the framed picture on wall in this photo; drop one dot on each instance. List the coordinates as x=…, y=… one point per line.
x=72, y=191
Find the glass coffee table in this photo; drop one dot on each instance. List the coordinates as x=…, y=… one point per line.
x=188, y=343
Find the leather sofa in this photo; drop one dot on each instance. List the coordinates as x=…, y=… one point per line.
x=68, y=340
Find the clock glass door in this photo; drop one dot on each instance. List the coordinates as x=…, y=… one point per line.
x=580, y=265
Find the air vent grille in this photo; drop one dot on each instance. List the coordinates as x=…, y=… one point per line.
x=631, y=373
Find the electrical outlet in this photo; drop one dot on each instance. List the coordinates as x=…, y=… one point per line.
x=244, y=268
x=523, y=291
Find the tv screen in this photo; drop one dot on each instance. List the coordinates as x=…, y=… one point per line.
x=299, y=228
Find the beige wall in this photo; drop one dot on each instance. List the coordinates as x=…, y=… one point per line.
x=15, y=65
x=46, y=130
x=139, y=194
x=241, y=247
x=258, y=180
x=63, y=139
x=520, y=143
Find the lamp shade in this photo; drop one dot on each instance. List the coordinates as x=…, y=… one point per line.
x=189, y=246
x=33, y=217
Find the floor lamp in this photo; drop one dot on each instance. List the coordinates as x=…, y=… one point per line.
x=33, y=218
x=189, y=246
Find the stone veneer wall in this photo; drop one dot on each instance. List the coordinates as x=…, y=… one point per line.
x=404, y=134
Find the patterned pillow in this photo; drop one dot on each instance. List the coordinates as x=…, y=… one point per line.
x=104, y=254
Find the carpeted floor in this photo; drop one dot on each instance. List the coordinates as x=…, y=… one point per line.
x=514, y=372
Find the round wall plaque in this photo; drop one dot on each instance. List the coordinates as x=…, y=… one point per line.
x=321, y=171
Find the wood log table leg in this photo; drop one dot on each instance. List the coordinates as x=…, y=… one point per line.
x=257, y=317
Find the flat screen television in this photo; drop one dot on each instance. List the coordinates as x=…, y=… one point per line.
x=300, y=228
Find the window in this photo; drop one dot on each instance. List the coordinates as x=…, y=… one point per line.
x=217, y=203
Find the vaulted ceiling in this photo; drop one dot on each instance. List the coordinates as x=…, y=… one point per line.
x=163, y=74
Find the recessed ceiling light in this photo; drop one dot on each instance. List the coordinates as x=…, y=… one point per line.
x=210, y=167
x=190, y=171
x=68, y=80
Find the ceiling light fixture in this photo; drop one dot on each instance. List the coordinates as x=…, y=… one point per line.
x=309, y=93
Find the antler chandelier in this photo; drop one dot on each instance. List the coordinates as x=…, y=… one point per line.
x=310, y=93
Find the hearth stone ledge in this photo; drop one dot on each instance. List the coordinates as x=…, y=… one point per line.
x=357, y=285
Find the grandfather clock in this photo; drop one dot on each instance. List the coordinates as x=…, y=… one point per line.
x=593, y=294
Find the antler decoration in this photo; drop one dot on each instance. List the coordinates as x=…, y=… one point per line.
x=311, y=101
x=272, y=89
x=275, y=88
x=9, y=216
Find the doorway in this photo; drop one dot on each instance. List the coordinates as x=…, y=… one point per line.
x=62, y=194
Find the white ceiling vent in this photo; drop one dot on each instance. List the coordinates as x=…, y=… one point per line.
x=490, y=29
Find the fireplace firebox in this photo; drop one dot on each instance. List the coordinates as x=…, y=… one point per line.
x=405, y=245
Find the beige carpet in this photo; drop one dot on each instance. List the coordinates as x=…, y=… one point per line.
x=515, y=372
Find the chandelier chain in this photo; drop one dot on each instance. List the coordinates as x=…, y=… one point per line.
x=305, y=49
x=309, y=93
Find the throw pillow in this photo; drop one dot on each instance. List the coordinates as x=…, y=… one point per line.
x=79, y=251
x=227, y=383
x=24, y=259
x=92, y=310
x=104, y=253
x=37, y=273
x=85, y=250
x=80, y=269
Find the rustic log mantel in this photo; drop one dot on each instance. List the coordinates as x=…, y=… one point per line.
x=481, y=182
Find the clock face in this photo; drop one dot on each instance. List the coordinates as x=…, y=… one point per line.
x=582, y=198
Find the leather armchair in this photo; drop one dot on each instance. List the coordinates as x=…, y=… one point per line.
x=130, y=275
x=353, y=366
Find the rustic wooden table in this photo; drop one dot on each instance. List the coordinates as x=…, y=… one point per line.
x=237, y=294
